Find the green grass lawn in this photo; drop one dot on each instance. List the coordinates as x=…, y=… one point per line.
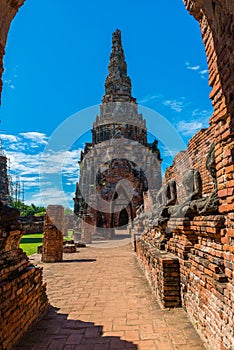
x=29, y=243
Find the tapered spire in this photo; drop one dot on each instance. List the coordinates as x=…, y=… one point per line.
x=118, y=87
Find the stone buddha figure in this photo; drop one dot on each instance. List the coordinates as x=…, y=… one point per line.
x=166, y=198
x=193, y=188
x=194, y=203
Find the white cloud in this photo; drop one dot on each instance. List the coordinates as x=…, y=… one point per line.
x=23, y=163
x=10, y=138
x=176, y=105
x=204, y=71
x=191, y=67
x=166, y=152
x=73, y=180
x=34, y=136
x=61, y=161
x=46, y=163
x=29, y=182
x=202, y=113
x=149, y=98
x=52, y=196
x=189, y=128
x=38, y=172
x=201, y=72
x=19, y=146
x=30, y=179
x=9, y=83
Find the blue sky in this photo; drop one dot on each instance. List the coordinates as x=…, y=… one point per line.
x=56, y=64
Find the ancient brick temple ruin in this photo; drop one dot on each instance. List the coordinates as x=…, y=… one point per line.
x=187, y=246
x=22, y=292
x=119, y=166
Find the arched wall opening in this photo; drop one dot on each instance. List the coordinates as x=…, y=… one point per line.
x=121, y=208
x=123, y=218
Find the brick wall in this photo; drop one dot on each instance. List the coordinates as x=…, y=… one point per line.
x=206, y=273
x=193, y=158
x=68, y=223
x=162, y=271
x=22, y=293
x=52, y=250
x=31, y=224
x=216, y=22
x=204, y=245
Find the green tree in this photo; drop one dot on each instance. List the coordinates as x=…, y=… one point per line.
x=68, y=211
x=28, y=210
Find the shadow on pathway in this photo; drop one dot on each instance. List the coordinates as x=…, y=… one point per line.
x=78, y=261
x=105, y=303
x=56, y=332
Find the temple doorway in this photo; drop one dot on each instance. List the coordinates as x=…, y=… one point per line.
x=123, y=218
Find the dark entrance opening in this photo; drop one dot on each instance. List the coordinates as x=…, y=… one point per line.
x=123, y=218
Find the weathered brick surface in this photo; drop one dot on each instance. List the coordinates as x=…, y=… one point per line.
x=32, y=224
x=22, y=292
x=162, y=271
x=52, y=250
x=205, y=251
x=193, y=158
x=205, y=245
x=205, y=265
x=68, y=223
x=119, y=155
x=216, y=22
x=207, y=285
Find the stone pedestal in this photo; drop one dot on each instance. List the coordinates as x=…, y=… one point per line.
x=69, y=248
x=52, y=250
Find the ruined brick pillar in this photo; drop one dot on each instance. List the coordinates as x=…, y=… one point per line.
x=22, y=291
x=87, y=229
x=52, y=250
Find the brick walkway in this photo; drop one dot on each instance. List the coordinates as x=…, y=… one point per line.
x=100, y=300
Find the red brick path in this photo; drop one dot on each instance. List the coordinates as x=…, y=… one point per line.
x=100, y=300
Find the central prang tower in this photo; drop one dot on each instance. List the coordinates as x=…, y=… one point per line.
x=119, y=110
x=118, y=86
x=119, y=168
